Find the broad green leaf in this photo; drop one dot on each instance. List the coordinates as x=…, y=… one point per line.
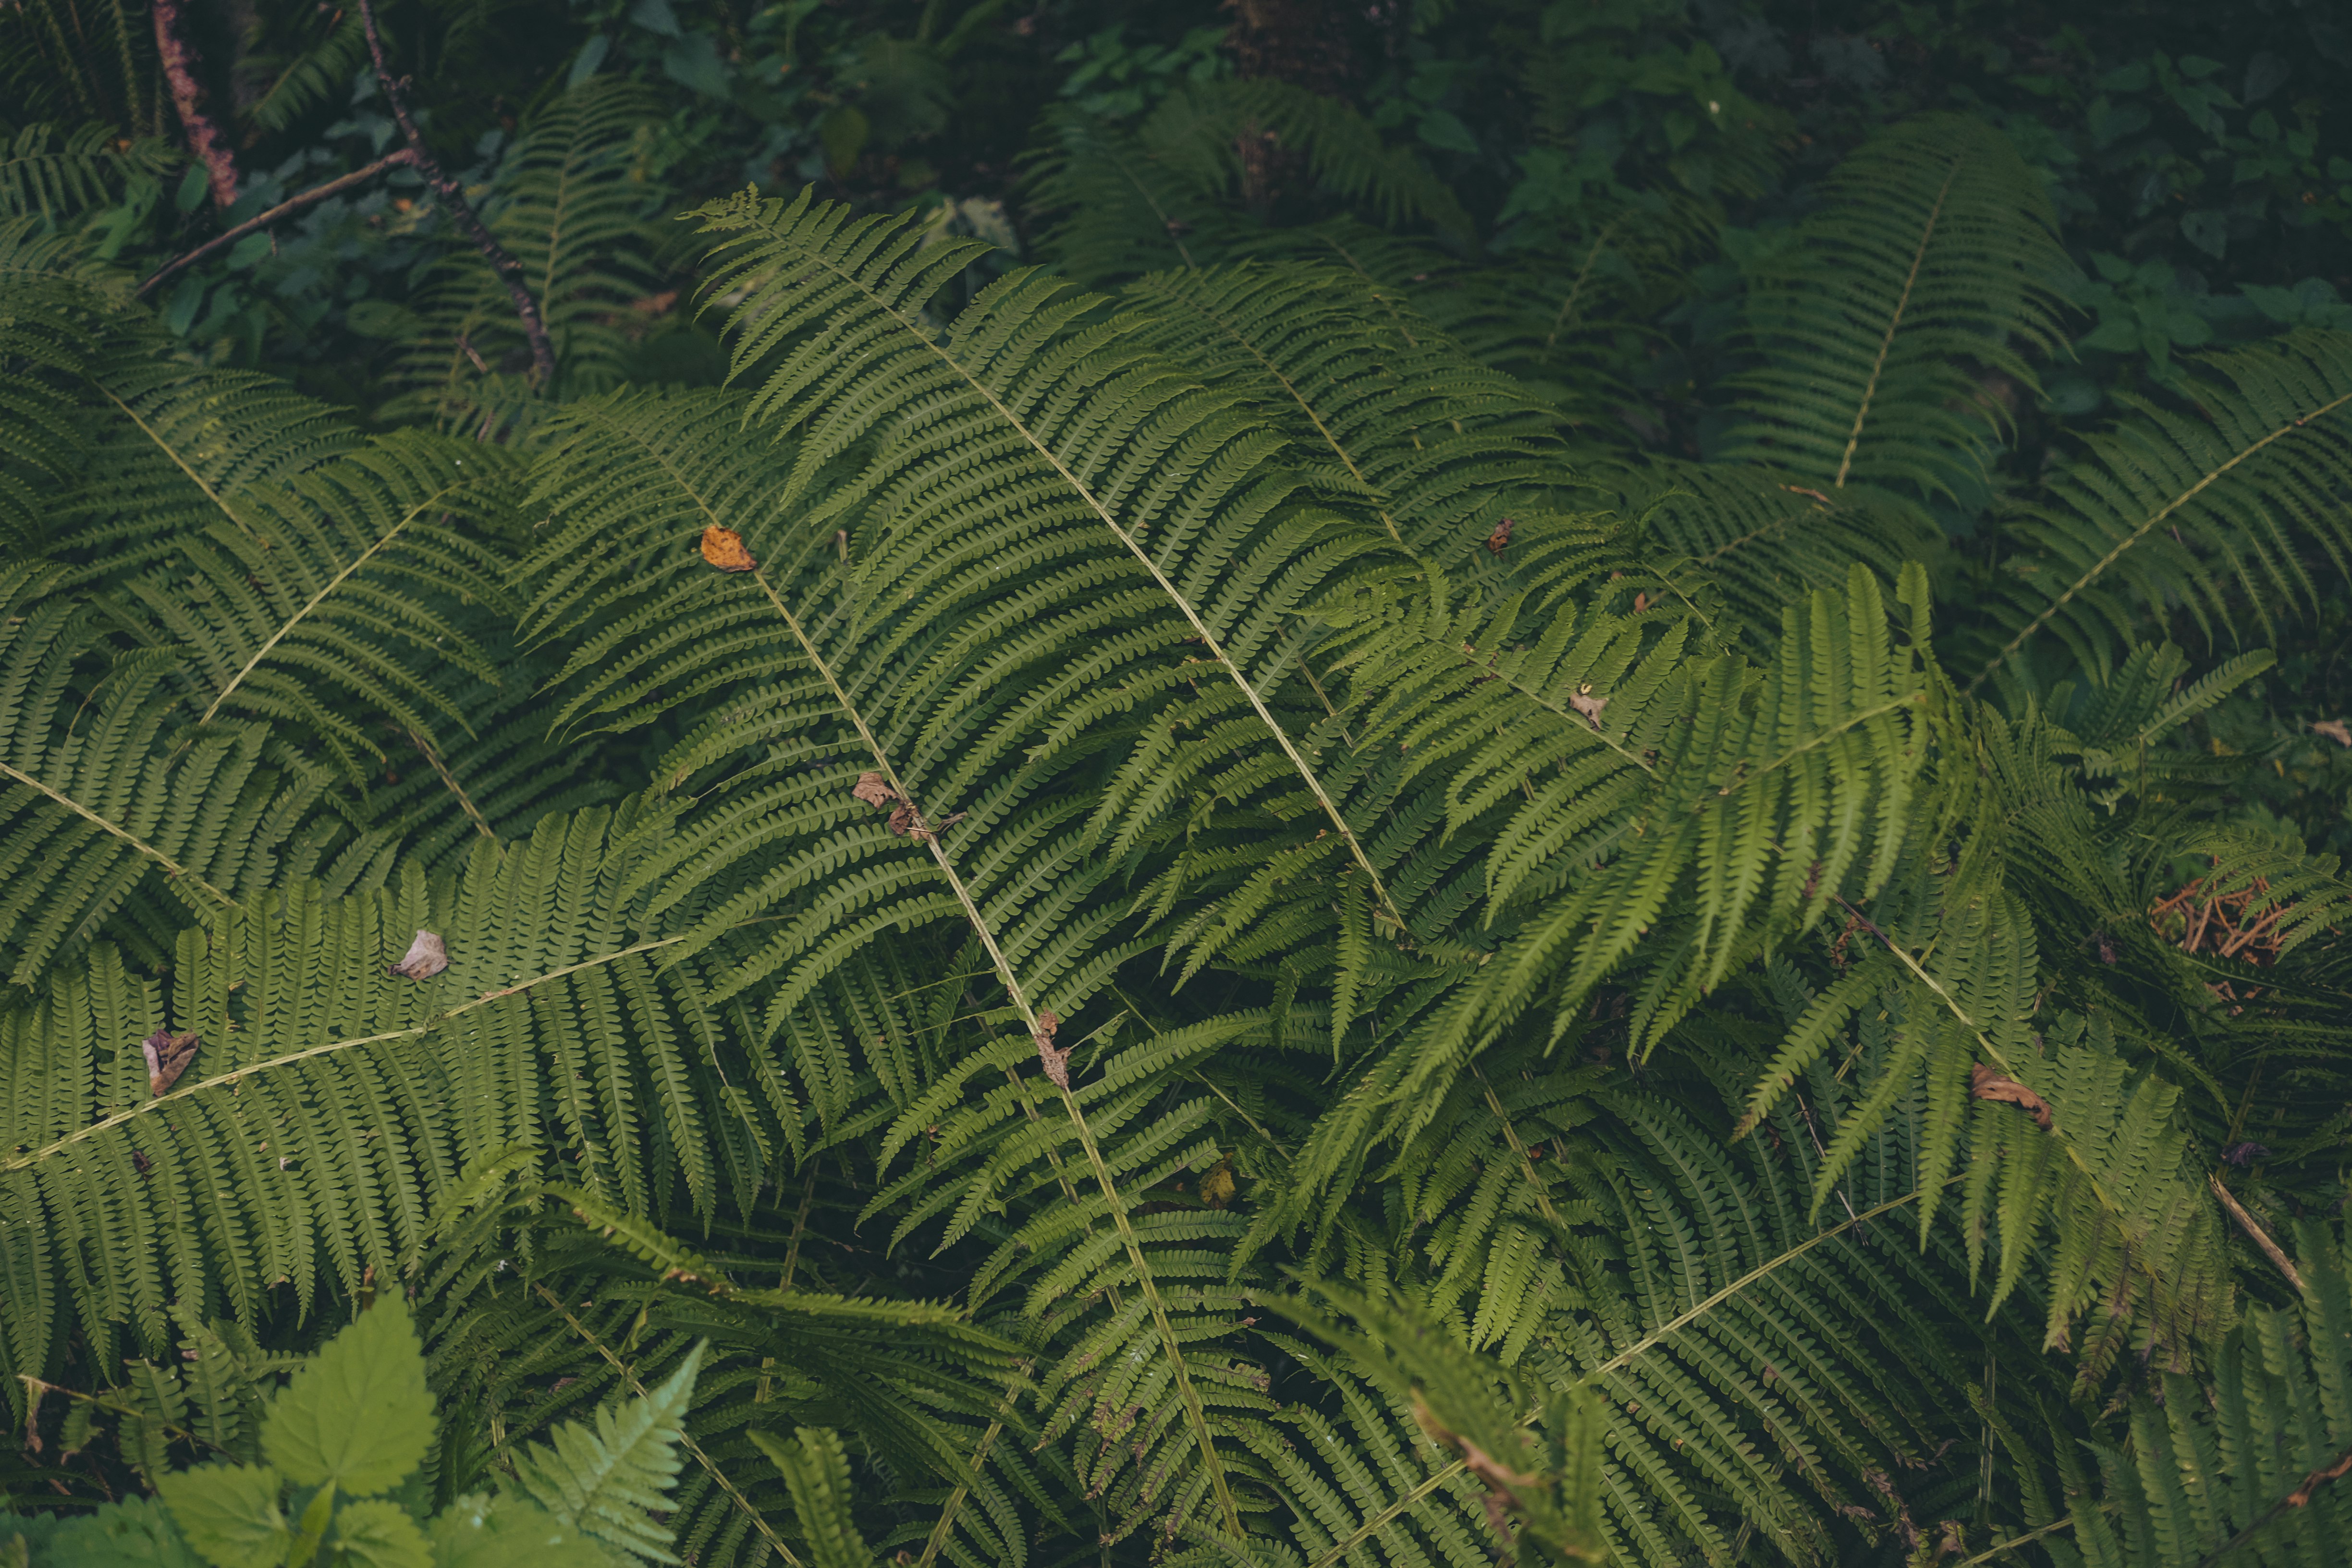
x=230, y=1513
x=136, y=1533
x=374, y=1533
x=483, y=1532
x=359, y=1416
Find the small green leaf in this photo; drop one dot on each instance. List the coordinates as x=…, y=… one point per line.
x=136, y=1533
x=360, y=1415
x=230, y=1513
x=374, y=1533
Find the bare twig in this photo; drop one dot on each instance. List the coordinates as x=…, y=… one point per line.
x=205, y=138
x=2299, y=1497
x=2257, y=1235
x=461, y=211
x=285, y=209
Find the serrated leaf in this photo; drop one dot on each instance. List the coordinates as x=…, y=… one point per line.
x=375, y=1533
x=483, y=1532
x=137, y=1532
x=610, y=1481
x=359, y=1416
x=230, y=1513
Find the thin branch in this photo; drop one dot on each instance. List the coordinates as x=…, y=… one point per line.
x=2255, y=1233
x=205, y=138
x=461, y=211
x=2299, y=1497
x=285, y=209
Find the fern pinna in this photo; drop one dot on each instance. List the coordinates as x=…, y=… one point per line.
x=1193, y=923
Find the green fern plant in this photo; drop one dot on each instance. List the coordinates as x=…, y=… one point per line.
x=1193, y=923
x=326, y=1477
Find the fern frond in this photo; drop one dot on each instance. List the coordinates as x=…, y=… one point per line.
x=52, y=173
x=1934, y=263
x=105, y=785
x=2211, y=512
x=610, y=1482
x=1170, y=192
x=2252, y=1462
x=331, y=1103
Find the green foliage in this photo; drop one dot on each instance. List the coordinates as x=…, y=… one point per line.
x=356, y=1420
x=1383, y=870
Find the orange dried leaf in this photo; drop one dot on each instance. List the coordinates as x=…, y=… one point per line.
x=1500, y=537
x=723, y=548
x=874, y=791
x=1984, y=1083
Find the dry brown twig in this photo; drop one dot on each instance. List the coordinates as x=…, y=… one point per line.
x=461, y=211
x=287, y=208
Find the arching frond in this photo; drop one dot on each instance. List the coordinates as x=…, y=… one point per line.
x=1934, y=266
x=111, y=791
x=2214, y=512
x=333, y=1103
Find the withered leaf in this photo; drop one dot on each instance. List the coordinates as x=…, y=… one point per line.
x=1985, y=1083
x=1057, y=1063
x=723, y=548
x=168, y=1056
x=1500, y=537
x=1218, y=1187
x=2336, y=729
x=904, y=821
x=1584, y=702
x=426, y=958
x=875, y=791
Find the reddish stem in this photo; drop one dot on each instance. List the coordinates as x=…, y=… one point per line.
x=205, y=138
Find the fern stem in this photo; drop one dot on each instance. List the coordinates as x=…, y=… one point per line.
x=1195, y=1412
x=464, y=800
x=1511, y=1136
x=955, y=1502
x=170, y=864
x=334, y=583
x=178, y=461
x=2154, y=521
x=1413, y=1499
x=2001, y=1548
x=1184, y=606
x=685, y=1437
x=1894, y=325
x=234, y=1075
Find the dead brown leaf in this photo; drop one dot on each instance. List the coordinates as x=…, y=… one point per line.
x=1500, y=537
x=168, y=1056
x=723, y=548
x=2334, y=730
x=427, y=957
x=1584, y=702
x=1057, y=1063
x=1985, y=1083
x=874, y=791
